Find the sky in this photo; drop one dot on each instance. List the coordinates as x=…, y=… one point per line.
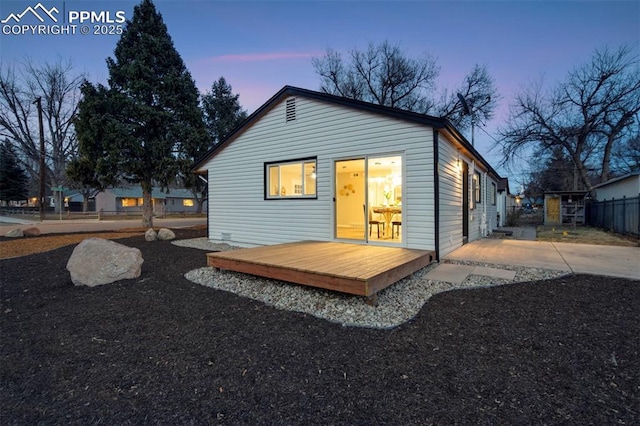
x=261, y=46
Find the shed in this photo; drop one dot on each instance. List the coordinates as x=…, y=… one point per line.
x=312, y=166
x=564, y=207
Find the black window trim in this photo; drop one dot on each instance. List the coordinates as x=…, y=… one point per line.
x=294, y=160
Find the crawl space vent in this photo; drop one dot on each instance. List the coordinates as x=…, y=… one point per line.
x=291, y=109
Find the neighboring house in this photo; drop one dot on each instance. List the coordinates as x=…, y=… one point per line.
x=506, y=203
x=129, y=200
x=617, y=205
x=313, y=166
x=627, y=186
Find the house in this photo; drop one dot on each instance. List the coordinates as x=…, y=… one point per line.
x=506, y=203
x=617, y=205
x=627, y=186
x=129, y=200
x=313, y=166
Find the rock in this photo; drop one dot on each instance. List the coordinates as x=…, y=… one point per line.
x=15, y=233
x=150, y=235
x=31, y=232
x=165, y=234
x=96, y=261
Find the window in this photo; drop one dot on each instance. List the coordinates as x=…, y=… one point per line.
x=476, y=190
x=494, y=191
x=291, y=179
x=187, y=203
x=129, y=202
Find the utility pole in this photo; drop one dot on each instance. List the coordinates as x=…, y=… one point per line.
x=38, y=102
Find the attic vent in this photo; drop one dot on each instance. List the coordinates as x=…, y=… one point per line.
x=291, y=109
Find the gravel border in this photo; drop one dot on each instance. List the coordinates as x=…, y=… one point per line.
x=397, y=304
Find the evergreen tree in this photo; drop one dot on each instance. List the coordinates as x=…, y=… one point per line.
x=222, y=114
x=222, y=110
x=92, y=169
x=13, y=179
x=555, y=173
x=152, y=105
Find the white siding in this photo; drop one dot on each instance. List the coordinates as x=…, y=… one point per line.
x=491, y=199
x=328, y=132
x=629, y=187
x=450, y=173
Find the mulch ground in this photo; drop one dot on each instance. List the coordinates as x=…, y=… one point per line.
x=162, y=350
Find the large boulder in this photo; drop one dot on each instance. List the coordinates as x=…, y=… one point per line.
x=150, y=235
x=31, y=232
x=166, y=234
x=96, y=261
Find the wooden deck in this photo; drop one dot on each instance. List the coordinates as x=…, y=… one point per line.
x=349, y=268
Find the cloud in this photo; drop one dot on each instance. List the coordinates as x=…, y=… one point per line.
x=256, y=57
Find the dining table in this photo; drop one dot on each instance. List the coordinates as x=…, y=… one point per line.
x=387, y=212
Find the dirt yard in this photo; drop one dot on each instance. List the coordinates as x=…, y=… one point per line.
x=14, y=247
x=583, y=235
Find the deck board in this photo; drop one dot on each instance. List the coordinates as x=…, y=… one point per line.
x=350, y=268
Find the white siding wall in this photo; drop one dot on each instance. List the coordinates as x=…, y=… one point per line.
x=629, y=187
x=491, y=198
x=450, y=197
x=482, y=218
x=328, y=132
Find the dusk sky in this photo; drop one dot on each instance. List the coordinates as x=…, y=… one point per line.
x=261, y=46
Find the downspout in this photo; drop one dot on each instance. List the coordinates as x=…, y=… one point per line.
x=436, y=194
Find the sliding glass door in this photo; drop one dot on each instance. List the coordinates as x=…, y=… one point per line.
x=369, y=199
x=350, y=199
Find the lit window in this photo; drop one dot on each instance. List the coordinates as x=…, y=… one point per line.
x=291, y=179
x=187, y=203
x=129, y=202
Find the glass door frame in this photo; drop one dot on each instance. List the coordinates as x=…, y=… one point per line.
x=366, y=158
x=337, y=193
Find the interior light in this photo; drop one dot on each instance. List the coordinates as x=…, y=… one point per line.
x=313, y=173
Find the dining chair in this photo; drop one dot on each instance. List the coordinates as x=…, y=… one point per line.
x=395, y=226
x=372, y=222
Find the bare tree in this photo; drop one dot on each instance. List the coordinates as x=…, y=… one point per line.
x=626, y=155
x=58, y=87
x=381, y=74
x=479, y=91
x=587, y=114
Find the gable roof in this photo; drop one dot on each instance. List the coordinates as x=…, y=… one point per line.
x=290, y=91
x=503, y=185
